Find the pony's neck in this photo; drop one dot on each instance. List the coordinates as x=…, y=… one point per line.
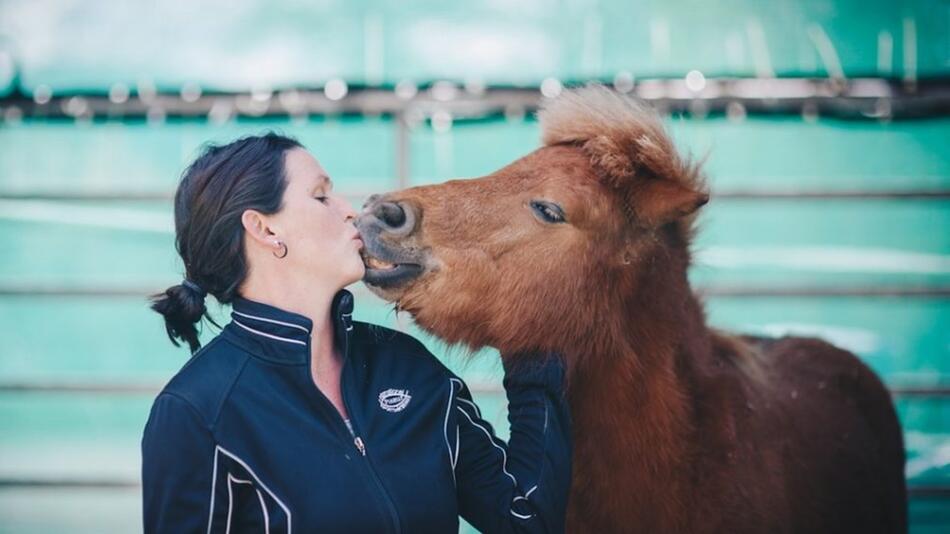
x=630, y=400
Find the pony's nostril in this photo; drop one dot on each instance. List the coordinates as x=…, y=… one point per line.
x=391, y=214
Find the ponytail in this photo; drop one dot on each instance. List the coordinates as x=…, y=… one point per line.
x=182, y=306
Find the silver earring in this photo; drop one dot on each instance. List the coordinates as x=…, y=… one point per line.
x=282, y=245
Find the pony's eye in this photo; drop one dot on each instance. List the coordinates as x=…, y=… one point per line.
x=548, y=212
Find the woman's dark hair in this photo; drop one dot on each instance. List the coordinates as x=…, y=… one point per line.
x=213, y=193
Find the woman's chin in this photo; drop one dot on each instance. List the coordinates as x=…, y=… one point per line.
x=356, y=271
x=350, y=270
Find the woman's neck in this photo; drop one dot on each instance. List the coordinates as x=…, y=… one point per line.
x=326, y=364
x=304, y=298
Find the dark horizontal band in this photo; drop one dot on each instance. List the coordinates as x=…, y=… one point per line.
x=868, y=98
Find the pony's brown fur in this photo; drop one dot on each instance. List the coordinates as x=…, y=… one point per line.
x=678, y=427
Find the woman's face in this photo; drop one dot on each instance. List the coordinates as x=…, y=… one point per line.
x=316, y=224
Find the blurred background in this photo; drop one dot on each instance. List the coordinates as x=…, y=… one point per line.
x=826, y=124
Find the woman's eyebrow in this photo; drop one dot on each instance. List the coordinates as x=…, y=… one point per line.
x=322, y=181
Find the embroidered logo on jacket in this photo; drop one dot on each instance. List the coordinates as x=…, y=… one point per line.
x=394, y=400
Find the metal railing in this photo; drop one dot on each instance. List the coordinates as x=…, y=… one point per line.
x=853, y=98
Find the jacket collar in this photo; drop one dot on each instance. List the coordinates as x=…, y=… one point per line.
x=283, y=336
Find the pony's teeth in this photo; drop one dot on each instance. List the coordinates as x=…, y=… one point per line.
x=378, y=264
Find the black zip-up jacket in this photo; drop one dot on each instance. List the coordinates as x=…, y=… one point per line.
x=242, y=440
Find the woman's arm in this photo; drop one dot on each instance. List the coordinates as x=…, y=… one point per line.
x=177, y=467
x=521, y=486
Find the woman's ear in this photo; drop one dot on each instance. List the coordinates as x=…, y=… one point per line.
x=256, y=228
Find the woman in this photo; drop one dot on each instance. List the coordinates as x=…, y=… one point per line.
x=295, y=418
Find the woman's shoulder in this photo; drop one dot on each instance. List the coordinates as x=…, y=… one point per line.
x=205, y=379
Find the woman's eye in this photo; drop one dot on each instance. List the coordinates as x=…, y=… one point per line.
x=322, y=199
x=548, y=212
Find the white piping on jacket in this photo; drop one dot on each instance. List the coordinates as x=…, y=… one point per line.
x=227, y=526
x=214, y=480
x=445, y=429
x=260, y=498
x=258, y=332
x=504, y=455
x=256, y=479
x=266, y=320
x=525, y=498
x=521, y=516
x=473, y=405
x=504, y=464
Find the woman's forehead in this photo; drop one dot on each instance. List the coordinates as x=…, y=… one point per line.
x=303, y=167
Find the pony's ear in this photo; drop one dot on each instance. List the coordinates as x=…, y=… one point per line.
x=611, y=160
x=657, y=201
x=650, y=177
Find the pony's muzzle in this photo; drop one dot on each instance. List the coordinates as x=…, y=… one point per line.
x=386, y=227
x=394, y=218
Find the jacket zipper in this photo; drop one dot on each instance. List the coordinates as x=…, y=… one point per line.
x=356, y=439
x=352, y=431
x=360, y=446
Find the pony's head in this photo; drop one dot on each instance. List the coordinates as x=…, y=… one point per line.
x=537, y=252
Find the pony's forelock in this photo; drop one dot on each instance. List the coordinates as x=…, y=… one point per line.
x=621, y=135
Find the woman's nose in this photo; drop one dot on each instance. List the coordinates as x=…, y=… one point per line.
x=349, y=214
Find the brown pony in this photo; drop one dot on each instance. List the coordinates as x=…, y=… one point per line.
x=582, y=247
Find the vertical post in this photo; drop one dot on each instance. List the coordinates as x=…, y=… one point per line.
x=402, y=150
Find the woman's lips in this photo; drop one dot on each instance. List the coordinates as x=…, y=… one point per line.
x=358, y=239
